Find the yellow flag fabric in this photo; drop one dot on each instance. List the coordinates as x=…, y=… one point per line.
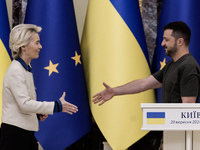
x=4, y=63
x=4, y=38
x=111, y=54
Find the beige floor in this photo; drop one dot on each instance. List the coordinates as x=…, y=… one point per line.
x=40, y=147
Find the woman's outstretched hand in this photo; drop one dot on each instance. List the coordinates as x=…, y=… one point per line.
x=66, y=106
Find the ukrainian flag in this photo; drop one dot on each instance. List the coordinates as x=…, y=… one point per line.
x=4, y=46
x=114, y=50
x=155, y=117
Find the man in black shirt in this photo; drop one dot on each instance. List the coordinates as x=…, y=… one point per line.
x=179, y=79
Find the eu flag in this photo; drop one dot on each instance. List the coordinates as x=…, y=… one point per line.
x=59, y=68
x=114, y=50
x=4, y=46
x=177, y=10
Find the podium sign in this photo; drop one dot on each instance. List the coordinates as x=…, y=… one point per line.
x=171, y=116
x=178, y=121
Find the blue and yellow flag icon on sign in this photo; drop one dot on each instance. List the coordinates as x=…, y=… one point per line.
x=177, y=10
x=59, y=68
x=4, y=46
x=114, y=50
x=155, y=117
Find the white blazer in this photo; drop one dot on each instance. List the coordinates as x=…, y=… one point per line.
x=19, y=99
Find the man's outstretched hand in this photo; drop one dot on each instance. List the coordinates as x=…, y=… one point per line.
x=104, y=95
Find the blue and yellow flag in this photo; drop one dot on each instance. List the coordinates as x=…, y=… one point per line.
x=4, y=46
x=177, y=10
x=114, y=50
x=155, y=117
x=59, y=68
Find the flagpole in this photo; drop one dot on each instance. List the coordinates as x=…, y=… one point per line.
x=106, y=146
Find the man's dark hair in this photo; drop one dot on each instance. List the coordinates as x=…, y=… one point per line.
x=180, y=30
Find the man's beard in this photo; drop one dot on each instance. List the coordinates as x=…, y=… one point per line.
x=172, y=50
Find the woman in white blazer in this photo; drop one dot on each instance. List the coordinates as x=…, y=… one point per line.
x=20, y=107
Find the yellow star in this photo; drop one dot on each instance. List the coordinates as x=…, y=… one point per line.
x=52, y=67
x=162, y=63
x=76, y=58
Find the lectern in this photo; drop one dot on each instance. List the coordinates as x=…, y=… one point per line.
x=179, y=121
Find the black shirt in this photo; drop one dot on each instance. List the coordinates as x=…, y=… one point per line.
x=179, y=79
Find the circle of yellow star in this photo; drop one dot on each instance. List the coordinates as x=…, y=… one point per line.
x=76, y=58
x=52, y=67
x=162, y=63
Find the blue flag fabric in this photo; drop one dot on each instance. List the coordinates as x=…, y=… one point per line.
x=59, y=68
x=177, y=10
x=4, y=24
x=127, y=11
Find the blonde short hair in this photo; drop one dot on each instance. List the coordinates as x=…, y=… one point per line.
x=20, y=36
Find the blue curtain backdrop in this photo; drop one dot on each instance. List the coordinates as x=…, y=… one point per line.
x=177, y=10
x=59, y=68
